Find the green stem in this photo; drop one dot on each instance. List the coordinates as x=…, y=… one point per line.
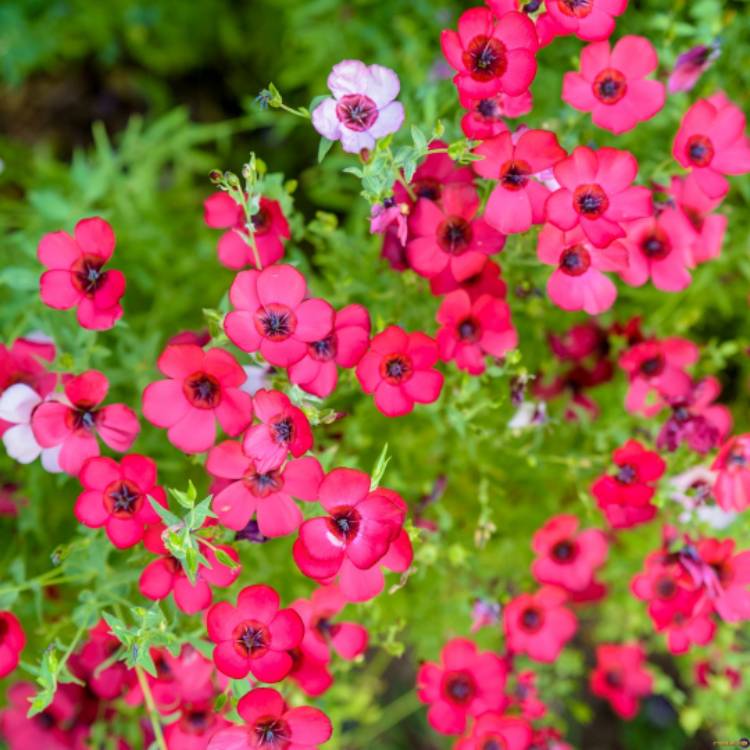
x=46, y=579
x=392, y=714
x=294, y=111
x=151, y=709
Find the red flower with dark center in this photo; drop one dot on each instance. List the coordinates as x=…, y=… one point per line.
x=620, y=677
x=93, y=664
x=732, y=486
x=591, y=20
x=12, y=642
x=494, y=731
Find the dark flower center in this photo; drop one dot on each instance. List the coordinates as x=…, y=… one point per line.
x=665, y=588
x=271, y=732
x=652, y=366
x=324, y=350
x=357, y=111
x=468, y=330
x=202, y=390
x=427, y=188
x=82, y=418
x=88, y=275
x=460, y=687
x=575, y=261
x=396, y=368
x=613, y=678
x=45, y=720
x=609, y=86
x=656, y=245
x=627, y=474
x=344, y=523
x=488, y=108
x=454, y=235
x=493, y=743
x=485, y=58
x=263, y=485
x=325, y=628
x=283, y=430
x=275, y=322
x=564, y=551
x=261, y=221
x=681, y=413
x=699, y=150
x=532, y=619
x=123, y=499
x=197, y=722
x=736, y=457
x=514, y=174
x=590, y=201
x=251, y=639
x=577, y=8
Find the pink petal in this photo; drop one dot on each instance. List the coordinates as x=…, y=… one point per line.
x=95, y=237
x=240, y=327
x=278, y=517
x=634, y=56
x=221, y=211
x=89, y=509
x=124, y=533
x=181, y=360
x=283, y=285
x=57, y=290
x=164, y=403
x=326, y=121
x=389, y=120
x=117, y=426
x=343, y=487
x=309, y=726
x=58, y=250
x=156, y=580
x=392, y=401
x=227, y=460
x=195, y=432
x=234, y=505
x=273, y=666
x=314, y=320
x=235, y=412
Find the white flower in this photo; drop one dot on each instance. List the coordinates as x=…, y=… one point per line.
x=692, y=489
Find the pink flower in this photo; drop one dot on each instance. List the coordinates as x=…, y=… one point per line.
x=712, y=143
x=566, y=557
x=254, y=636
x=106, y=681
x=597, y=193
x=203, y=386
x=691, y=65
x=344, y=346
x=116, y=496
x=484, y=118
x=465, y=683
x=491, y=56
x=612, y=85
x=538, y=625
x=166, y=575
x=592, y=20
x=272, y=315
x=265, y=494
x=399, y=369
x=26, y=362
x=620, y=678
x=517, y=201
x=732, y=486
x=311, y=675
x=471, y=330
x=270, y=230
x=75, y=277
x=195, y=727
x=487, y=281
x=283, y=429
x=448, y=235
x=271, y=724
x=493, y=729
x=12, y=643
x=362, y=108
x=723, y=577
x=578, y=282
x=74, y=421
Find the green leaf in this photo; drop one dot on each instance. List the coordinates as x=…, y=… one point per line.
x=223, y=558
x=323, y=148
x=380, y=466
x=170, y=519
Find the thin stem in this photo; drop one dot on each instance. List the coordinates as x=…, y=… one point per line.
x=46, y=579
x=407, y=187
x=294, y=111
x=151, y=709
x=392, y=714
x=254, y=248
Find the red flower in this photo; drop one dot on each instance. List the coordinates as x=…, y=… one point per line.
x=344, y=346
x=272, y=315
x=116, y=496
x=525, y=696
x=620, y=678
x=24, y=362
x=311, y=675
x=712, y=143
x=597, y=193
x=657, y=365
x=203, y=386
x=272, y=725
x=447, y=235
x=517, y=200
x=592, y=20
x=266, y=494
x=74, y=421
x=732, y=486
x=538, y=625
x=723, y=575
x=75, y=277
x=485, y=116
x=12, y=642
x=107, y=682
x=491, y=56
x=166, y=575
x=254, y=636
x=612, y=85
x=195, y=727
x=625, y=497
x=494, y=730
x=565, y=556
x=465, y=683
x=471, y=330
x=270, y=230
x=487, y=281
x=284, y=429
x=399, y=369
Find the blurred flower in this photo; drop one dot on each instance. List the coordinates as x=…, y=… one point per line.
x=691, y=65
x=484, y=613
x=693, y=489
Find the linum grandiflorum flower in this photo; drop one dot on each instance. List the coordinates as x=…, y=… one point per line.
x=203, y=386
x=592, y=20
x=613, y=86
x=448, y=235
x=12, y=642
x=657, y=366
x=273, y=317
x=283, y=429
x=358, y=531
x=196, y=726
x=566, y=556
x=625, y=497
x=75, y=275
x=343, y=346
x=691, y=65
x=471, y=330
x=517, y=200
x=491, y=56
x=712, y=143
x=495, y=730
x=539, y=625
x=399, y=369
x=322, y=632
x=116, y=496
x=26, y=362
x=620, y=677
x=254, y=636
x=73, y=421
x=363, y=106
x=271, y=725
x=487, y=281
x=524, y=695
x=578, y=281
x=106, y=682
x=484, y=118
x=264, y=494
x=270, y=230
x=732, y=486
x=166, y=575
x=465, y=683
x=596, y=192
